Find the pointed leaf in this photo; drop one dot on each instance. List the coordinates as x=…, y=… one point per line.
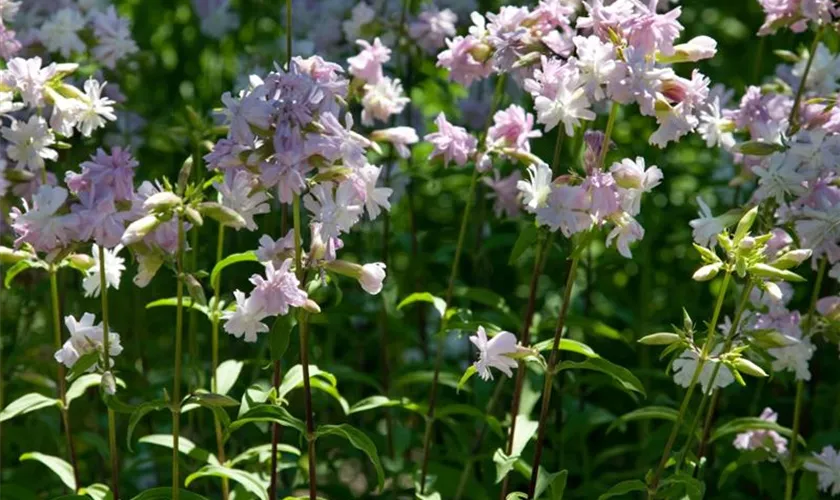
x=141, y=411
x=185, y=446
x=360, y=441
x=280, y=335
x=268, y=413
x=226, y=374
x=250, y=481
x=61, y=468
x=249, y=256
x=437, y=302
x=623, y=488
x=626, y=380
x=25, y=404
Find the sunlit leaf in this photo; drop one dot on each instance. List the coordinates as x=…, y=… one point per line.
x=25, y=404
x=360, y=441
x=251, y=482
x=249, y=256
x=59, y=466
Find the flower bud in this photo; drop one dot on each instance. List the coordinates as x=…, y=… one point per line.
x=109, y=383
x=662, y=338
x=748, y=243
x=193, y=216
x=161, y=202
x=626, y=175
x=10, y=256
x=829, y=307
x=696, y=49
x=744, y=365
x=311, y=306
x=707, y=272
x=481, y=52
x=138, y=229
x=372, y=277
x=81, y=261
x=792, y=258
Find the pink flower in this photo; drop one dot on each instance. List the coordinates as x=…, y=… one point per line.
x=626, y=231
x=382, y=99
x=460, y=59
x=278, y=290
x=113, y=172
x=603, y=194
x=505, y=193
x=451, y=142
x=513, y=128
x=400, y=137
x=650, y=31
x=246, y=320
x=367, y=65
x=762, y=438
x=432, y=27
x=271, y=250
x=100, y=220
x=567, y=210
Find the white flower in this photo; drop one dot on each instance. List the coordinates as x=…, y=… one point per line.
x=596, y=62
x=626, y=231
x=685, y=365
x=714, y=128
x=85, y=338
x=276, y=251
x=147, y=266
x=827, y=467
x=566, y=210
x=400, y=137
x=375, y=197
x=246, y=319
x=65, y=113
x=29, y=78
x=7, y=103
x=494, y=353
x=114, y=266
x=60, y=33
x=634, y=181
x=794, y=357
x=778, y=177
x=240, y=193
x=536, y=190
x=96, y=109
x=569, y=106
x=29, y=143
x=372, y=277
x=706, y=227
x=382, y=99
x=8, y=10
x=337, y=214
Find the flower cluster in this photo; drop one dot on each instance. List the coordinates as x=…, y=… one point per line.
x=286, y=137
x=69, y=31
x=87, y=338
x=796, y=14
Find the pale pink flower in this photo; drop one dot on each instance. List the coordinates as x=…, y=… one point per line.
x=451, y=142
x=275, y=251
x=494, y=353
x=432, y=27
x=382, y=100
x=762, y=438
x=513, y=128
x=246, y=319
x=505, y=193
x=459, y=59
x=400, y=137
x=567, y=210
x=367, y=65
x=279, y=290
x=40, y=224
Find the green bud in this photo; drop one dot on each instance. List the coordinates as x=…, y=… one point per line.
x=10, y=256
x=224, y=215
x=707, y=272
x=745, y=224
x=792, y=259
x=765, y=271
x=162, y=202
x=138, y=229
x=744, y=365
x=193, y=216
x=662, y=338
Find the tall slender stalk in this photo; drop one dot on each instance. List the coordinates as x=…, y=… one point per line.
x=551, y=371
x=794, y=111
x=176, y=383
x=62, y=382
x=304, y=355
x=654, y=483
x=453, y=275
x=800, y=386
x=112, y=431
x=275, y=427
x=727, y=344
x=541, y=255
x=214, y=347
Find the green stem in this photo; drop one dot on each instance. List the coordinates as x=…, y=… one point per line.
x=488, y=410
x=304, y=355
x=112, y=436
x=176, y=383
x=800, y=386
x=608, y=133
x=214, y=340
x=62, y=382
x=654, y=483
x=794, y=111
x=730, y=338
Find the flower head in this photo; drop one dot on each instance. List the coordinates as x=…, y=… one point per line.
x=451, y=142
x=494, y=353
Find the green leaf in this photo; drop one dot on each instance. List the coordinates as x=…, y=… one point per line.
x=646, y=413
x=438, y=303
x=226, y=374
x=97, y=491
x=746, y=457
x=165, y=493
x=267, y=413
x=186, y=302
x=119, y=406
x=757, y=148
x=281, y=333
x=62, y=469
x=425, y=377
x=626, y=380
x=82, y=365
x=83, y=383
x=16, y=269
x=527, y=238
x=262, y=453
x=251, y=482
x=249, y=256
x=744, y=424
x=371, y=403
x=211, y=399
x=185, y=446
x=360, y=441
x=468, y=373
x=525, y=430
x=141, y=411
x=517, y=495
x=567, y=345
x=25, y=404
x=294, y=379
x=624, y=488
x=556, y=481
x=504, y=464
x=682, y=485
